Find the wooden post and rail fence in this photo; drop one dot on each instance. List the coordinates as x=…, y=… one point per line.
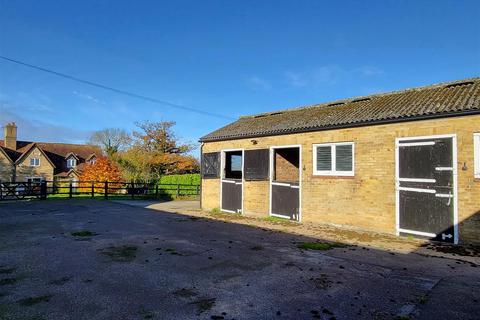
x=106, y=189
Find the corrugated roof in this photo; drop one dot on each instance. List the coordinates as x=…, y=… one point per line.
x=440, y=100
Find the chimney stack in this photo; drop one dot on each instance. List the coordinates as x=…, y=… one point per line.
x=10, y=139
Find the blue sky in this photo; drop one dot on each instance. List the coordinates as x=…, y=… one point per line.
x=227, y=57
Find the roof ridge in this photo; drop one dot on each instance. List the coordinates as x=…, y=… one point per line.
x=69, y=144
x=375, y=95
x=64, y=143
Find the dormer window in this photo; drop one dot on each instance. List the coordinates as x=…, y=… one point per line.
x=71, y=162
x=92, y=160
x=34, y=162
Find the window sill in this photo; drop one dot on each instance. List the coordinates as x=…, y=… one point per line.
x=318, y=176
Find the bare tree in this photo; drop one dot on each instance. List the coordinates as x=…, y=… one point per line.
x=111, y=140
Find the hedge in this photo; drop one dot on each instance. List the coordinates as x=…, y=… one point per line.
x=191, y=179
x=167, y=184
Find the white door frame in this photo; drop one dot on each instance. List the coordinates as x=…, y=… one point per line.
x=222, y=174
x=455, y=184
x=271, y=182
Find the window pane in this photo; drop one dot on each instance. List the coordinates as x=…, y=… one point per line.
x=324, y=158
x=236, y=163
x=344, y=158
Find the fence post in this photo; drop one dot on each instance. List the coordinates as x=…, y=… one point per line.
x=70, y=190
x=156, y=191
x=93, y=190
x=178, y=190
x=133, y=190
x=43, y=190
x=106, y=189
x=198, y=190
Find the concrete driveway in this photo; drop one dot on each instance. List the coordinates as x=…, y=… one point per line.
x=129, y=262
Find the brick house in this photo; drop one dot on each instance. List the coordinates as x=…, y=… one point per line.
x=405, y=162
x=23, y=161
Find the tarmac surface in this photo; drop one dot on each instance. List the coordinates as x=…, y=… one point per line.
x=129, y=262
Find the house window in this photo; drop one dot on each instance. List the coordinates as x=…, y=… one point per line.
x=34, y=179
x=333, y=159
x=71, y=162
x=476, y=154
x=34, y=162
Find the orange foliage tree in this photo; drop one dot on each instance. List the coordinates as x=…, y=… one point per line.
x=103, y=169
x=156, y=151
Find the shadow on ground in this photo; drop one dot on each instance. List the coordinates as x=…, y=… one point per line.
x=90, y=259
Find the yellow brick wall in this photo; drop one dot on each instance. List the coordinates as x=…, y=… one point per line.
x=367, y=200
x=6, y=169
x=210, y=194
x=256, y=200
x=24, y=170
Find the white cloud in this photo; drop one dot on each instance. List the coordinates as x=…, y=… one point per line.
x=297, y=79
x=37, y=130
x=88, y=97
x=40, y=108
x=32, y=129
x=369, y=71
x=329, y=75
x=257, y=83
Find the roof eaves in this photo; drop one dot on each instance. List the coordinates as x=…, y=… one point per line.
x=90, y=156
x=386, y=120
x=6, y=155
x=71, y=154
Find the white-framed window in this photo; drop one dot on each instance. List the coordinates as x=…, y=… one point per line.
x=71, y=162
x=34, y=162
x=34, y=179
x=476, y=154
x=334, y=159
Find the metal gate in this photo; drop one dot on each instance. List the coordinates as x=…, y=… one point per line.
x=285, y=195
x=426, y=187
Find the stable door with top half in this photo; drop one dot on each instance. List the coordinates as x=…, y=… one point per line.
x=232, y=181
x=425, y=186
x=285, y=182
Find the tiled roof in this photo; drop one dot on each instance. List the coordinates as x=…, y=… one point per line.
x=12, y=154
x=56, y=152
x=441, y=100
